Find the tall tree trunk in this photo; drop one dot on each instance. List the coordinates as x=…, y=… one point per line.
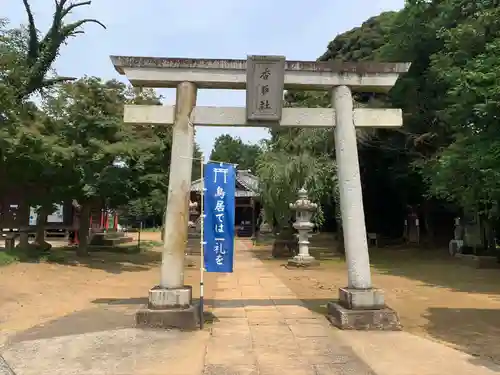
x=41, y=221
x=488, y=234
x=429, y=227
x=83, y=230
x=24, y=239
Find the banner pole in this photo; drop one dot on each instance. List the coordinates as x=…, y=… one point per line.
x=202, y=241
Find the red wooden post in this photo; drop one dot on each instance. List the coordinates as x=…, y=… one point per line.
x=115, y=222
x=101, y=225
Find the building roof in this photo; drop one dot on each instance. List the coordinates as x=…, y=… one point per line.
x=247, y=185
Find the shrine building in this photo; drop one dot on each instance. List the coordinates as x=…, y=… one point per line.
x=247, y=204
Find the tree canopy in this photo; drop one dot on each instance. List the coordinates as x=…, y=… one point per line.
x=447, y=149
x=232, y=150
x=72, y=143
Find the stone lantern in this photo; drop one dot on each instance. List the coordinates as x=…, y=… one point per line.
x=304, y=209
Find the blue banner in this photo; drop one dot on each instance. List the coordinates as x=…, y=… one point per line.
x=218, y=230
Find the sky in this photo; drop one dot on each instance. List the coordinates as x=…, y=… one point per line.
x=297, y=29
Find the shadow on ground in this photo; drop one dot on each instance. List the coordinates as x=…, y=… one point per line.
x=217, y=302
x=118, y=313
x=113, y=260
x=85, y=321
x=436, y=268
x=478, y=328
x=316, y=305
x=117, y=263
x=432, y=267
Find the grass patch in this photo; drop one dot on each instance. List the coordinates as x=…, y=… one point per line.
x=6, y=258
x=151, y=230
x=29, y=255
x=62, y=254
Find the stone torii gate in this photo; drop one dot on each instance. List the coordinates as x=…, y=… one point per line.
x=360, y=306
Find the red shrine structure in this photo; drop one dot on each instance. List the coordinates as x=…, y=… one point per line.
x=16, y=216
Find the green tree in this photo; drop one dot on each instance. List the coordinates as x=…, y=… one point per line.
x=233, y=150
x=465, y=169
x=291, y=160
x=108, y=157
x=40, y=53
x=380, y=152
x=27, y=152
x=290, y=163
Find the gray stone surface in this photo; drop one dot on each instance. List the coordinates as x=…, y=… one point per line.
x=265, y=84
x=184, y=319
x=359, y=299
x=168, y=298
x=112, y=352
x=122, y=62
x=384, y=319
x=271, y=332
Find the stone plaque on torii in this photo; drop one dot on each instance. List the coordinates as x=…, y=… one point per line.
x=170, y=304
x=265, y=85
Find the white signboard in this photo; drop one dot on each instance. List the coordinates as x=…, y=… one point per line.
x=33, y=216
x=56, y=217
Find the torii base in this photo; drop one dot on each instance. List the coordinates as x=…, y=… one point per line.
x=169, y=309
x=362, y=310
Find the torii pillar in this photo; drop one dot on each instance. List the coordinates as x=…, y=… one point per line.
x=360, y=305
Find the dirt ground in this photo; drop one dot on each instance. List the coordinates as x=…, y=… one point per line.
x=436, y=296
x=32, y=294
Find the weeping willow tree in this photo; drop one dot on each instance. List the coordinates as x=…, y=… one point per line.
x=296, y=158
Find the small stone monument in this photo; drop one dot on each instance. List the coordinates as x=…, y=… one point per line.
x=304, y=210
x=264, y=227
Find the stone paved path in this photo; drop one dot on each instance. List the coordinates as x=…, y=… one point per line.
x=264, y=329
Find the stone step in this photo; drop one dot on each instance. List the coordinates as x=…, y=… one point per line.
x=117, y=241
x=107, y=239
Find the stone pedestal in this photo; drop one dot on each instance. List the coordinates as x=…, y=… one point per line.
x=306, y=261
x=362, y=309
x=169, y=308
